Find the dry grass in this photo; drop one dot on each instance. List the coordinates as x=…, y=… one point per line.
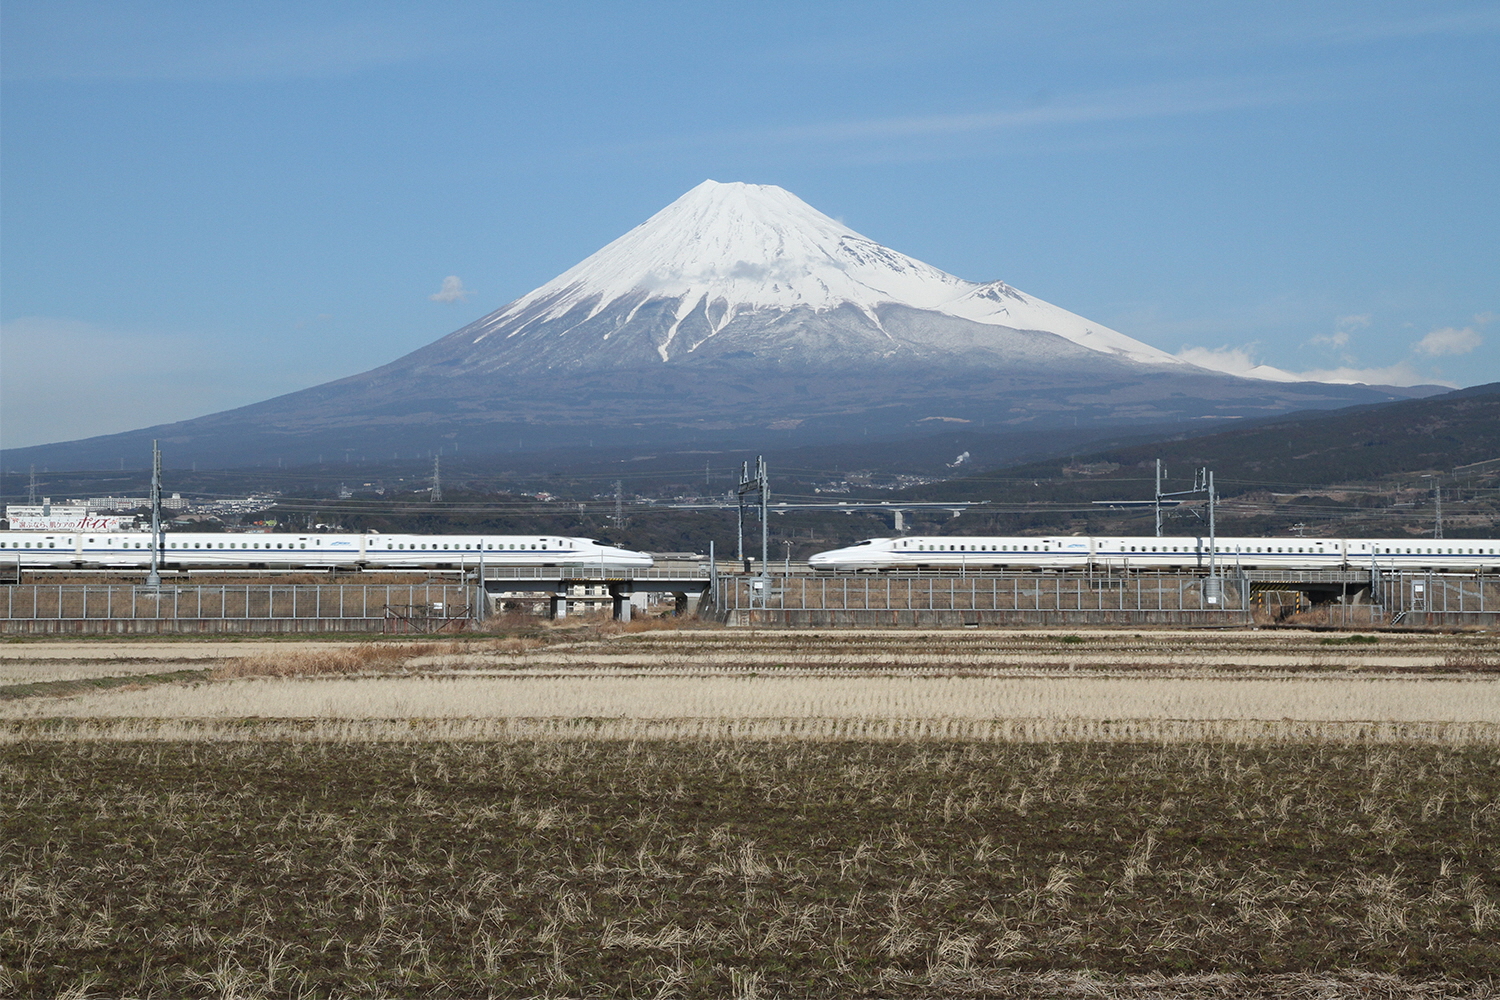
x=352, y=659
x=807, y=729
x=290, y=694
x=362, y=658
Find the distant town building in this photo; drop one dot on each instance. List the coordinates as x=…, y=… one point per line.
x=175, y=502
x=47, y=516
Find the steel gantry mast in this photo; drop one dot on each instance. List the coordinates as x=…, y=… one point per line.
x=153, y=578
x=1203, y=482
x=760, y=487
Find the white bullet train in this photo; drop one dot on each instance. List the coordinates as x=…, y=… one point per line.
x=955, y=552
x=188, y=550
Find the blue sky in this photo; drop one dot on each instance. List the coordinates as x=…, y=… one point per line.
x=204, y=205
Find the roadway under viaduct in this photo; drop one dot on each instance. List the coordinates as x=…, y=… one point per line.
x=559, y=584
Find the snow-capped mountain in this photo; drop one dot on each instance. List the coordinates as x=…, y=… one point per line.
x=725, y=251
x=737, y=312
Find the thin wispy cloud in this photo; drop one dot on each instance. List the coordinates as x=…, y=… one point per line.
x=1052, y=115
x=1343, y=331
x=1162, y=101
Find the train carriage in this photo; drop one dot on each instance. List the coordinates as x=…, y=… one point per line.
x=199, y=550
x=1184, y=553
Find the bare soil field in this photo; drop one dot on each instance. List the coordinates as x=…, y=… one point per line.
x=593, y=812
x=746, y=869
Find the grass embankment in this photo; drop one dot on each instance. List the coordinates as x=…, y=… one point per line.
x=598, y=868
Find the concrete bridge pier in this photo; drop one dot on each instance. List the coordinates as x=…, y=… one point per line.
x=559, y=603
x=622, y=593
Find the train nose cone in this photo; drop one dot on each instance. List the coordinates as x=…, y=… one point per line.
x=632, y=560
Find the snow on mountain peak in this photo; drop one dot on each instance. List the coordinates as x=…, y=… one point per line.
x=733, y=248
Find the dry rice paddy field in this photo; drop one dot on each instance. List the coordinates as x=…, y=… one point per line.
x=590, y=812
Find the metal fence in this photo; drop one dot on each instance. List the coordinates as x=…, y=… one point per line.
x=977, y=599
x=1427, y=599
x=235, y=607
x=1382, y=599
x=1438, y=598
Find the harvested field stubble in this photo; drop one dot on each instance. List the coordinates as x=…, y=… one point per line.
x=1311, y=698
x=600, y=868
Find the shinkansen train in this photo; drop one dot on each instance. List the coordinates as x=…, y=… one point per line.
x=185, y=550
x=1083, y=552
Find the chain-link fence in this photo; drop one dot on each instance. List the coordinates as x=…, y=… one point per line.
x=232, y=607
x=1429, y=599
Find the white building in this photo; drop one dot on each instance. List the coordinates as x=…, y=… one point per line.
x=175, y=502
x=48, y=516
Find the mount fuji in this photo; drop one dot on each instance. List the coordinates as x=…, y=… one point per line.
x=737, y=313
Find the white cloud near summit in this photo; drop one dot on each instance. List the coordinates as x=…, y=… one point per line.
x=1242, y=359
x=1234, y=360
x=453, y=290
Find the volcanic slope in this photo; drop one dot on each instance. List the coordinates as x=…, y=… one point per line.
x=737, y=313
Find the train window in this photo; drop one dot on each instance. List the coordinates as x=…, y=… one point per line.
x=304, y=545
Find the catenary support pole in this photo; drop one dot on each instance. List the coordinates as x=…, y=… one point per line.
x=153, y=578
